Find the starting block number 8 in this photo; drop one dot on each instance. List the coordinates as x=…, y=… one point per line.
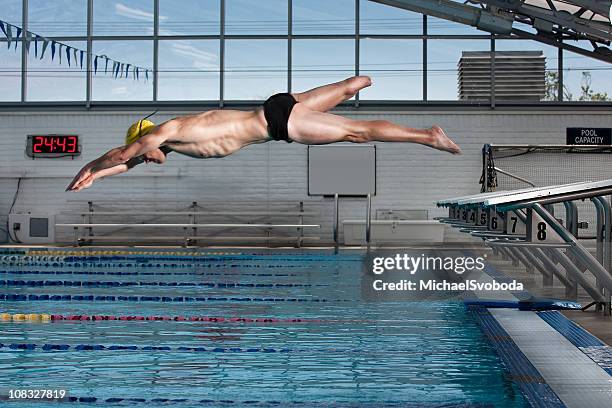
x=539, y=230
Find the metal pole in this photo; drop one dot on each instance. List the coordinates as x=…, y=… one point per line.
x=222, y=56
x=424, y=57
x=336, y=202
x=493, y=72
x=607, y=250
x=24, y=53
x=155, y=49
x=289, y=44
x=89, y=77
x=368, y=219
x=357, y=45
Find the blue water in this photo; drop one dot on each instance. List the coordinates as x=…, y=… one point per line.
x=346, y=351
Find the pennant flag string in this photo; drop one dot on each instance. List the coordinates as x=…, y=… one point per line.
x=119, y=69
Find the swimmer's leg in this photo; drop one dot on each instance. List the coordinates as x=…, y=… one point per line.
x=326, y=97
x=311, y=127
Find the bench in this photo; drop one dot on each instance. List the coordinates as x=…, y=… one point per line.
x=284, y=225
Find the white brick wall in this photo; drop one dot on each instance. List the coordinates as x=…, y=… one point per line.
x=408, y=176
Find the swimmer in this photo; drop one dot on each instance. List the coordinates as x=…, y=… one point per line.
x=297, y=117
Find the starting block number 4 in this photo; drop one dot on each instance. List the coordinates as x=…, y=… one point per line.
x=539, y=230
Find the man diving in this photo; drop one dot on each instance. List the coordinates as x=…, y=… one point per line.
x=299, y=117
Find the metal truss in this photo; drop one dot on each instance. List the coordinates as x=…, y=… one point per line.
x=552, y=22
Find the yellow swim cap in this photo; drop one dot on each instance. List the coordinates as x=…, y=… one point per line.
x=138, y=130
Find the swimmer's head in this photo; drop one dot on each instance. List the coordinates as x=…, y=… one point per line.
x=138, y=130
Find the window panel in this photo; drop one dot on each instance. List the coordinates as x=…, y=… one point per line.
x=396, y=69
x=58, y=17
x=323, y=17
x=115, y=17
x=442, y=66
x=48, y=80
x=10, y=72
x=440, y=26
x=256, y=17
x=586, y=79
x=189, y=17
x=188, y=70
x=376, y=18
x=255, y=69
x=319, y=62
x=105, y=87
x=11, y=12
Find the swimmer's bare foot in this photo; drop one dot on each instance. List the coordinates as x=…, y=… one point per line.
x=442, y=142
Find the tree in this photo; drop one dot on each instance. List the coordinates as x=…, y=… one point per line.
x=586, y=91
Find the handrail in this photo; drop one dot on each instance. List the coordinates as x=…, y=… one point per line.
x=134, y=225
x=249, y=213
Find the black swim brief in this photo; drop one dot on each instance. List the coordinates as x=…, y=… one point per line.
x=277, y=109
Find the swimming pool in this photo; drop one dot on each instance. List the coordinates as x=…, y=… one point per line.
x=236, y=329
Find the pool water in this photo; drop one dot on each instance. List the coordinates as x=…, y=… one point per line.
x=272, y=330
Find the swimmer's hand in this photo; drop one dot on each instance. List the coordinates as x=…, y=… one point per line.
x=90, y=175
x=83, y=179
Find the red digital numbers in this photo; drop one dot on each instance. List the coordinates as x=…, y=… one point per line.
x=72, y=144
x=55, y=144
x=37, y=144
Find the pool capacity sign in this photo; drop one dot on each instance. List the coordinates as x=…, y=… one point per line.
x=53, y=146
x=589, y=136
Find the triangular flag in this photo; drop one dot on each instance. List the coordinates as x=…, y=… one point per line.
x=127, y=69
x=136, y=71
x=52, y=50
x=95, y=63
x=2, y=28
x=9, y=35
x=60, y=53
x=17, y=36
x=81, y=59
x=116, y=68
x=68, y=54
x=35, y=45
x=105, y=64
x=74, y=54
x=147, y=74
x=44, y=48
x=121, y=70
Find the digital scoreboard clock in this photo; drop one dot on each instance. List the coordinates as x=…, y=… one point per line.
x=53, y=146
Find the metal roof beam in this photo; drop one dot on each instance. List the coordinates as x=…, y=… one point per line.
x=486, y=20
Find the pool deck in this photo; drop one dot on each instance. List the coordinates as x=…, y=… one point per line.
x=576, y=379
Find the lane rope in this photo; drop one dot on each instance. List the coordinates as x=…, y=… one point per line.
x=111, y=298
x=109, y=284
x=48, y=317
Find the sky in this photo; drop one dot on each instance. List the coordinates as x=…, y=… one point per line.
x=254, y=68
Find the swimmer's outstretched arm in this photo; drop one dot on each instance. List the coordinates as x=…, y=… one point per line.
x=111, y=171
x=117, y=157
